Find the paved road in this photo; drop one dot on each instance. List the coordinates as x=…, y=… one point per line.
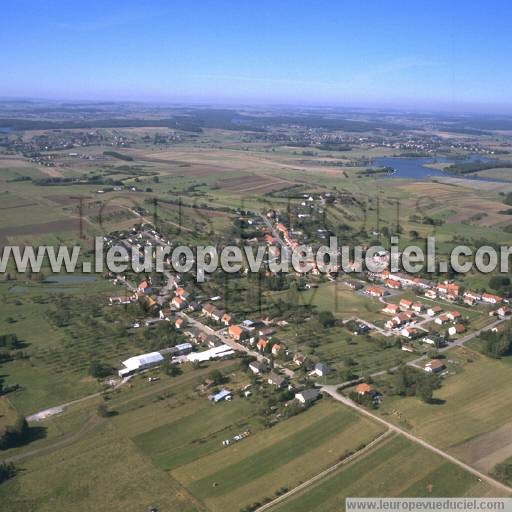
x=332, y=391
x=277, y=235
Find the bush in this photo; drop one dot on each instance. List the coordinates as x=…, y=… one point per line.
x=14, y=435
x=7, y=470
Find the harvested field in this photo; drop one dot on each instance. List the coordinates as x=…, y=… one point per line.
x=65, y=200
x=56, y=226
x=254, y=184
x=486, y=450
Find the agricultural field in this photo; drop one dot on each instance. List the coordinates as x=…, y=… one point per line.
x=396, y=468
x=290, y=452
x=471, y=420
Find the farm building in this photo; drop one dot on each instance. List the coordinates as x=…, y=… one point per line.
x=137, y=363
x=223, y=394
x=212, y=353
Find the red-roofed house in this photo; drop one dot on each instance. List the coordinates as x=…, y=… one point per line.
x=236, y=332
x=491, y=299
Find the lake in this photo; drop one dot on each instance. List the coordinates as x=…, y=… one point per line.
x=415, y=168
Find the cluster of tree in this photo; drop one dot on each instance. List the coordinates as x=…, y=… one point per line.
x=411, y=382
x=503, y=472
x=217, y=377
x=100, y=370
x=365, y=400
x=471, y=167
x=7, y=470
x=120, y=156
x=171, y=369
x=15, y=434
x=499, y=282
x=326, y=319
x=496, y=344
x=9, y=341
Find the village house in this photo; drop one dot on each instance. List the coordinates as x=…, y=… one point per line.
x=504, y=311
x=409, y=332
x=236, y=332
x=391, y=309
x=194, y=306
x=469, y=301
x=354, y=285
x=453, y=315
x=208, y=309
x=431, y=293
x=320, y=370
x=401, y=319
x=417, y=307
x=276, y=380
x=375, y=291
x=277, y=349
x=298, y=359
x=262, y=343
x=181, y=292
x=489, y=298
x=307, y=396
x=393, y=284
x=435, y=340
x=257, y=367
x=434, y=310
x=448, y=290
x=179, y=323
x=178, y=302
x=363, y=389
x=405, y=304
x=407, y=348
x=165, y=314
x=441, y=320
x=434, y=366
x=226, y=319
x=471, y=298
x=456, y=329
x=144, y=287
x=217, y=314
x=212, y=341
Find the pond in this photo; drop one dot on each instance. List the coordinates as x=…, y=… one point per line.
x=70, y=279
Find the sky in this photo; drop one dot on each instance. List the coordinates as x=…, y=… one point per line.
x=451, y=55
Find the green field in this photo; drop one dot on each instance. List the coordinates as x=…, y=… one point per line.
x=472, y=403
x=394, y=468
x=291, y=452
